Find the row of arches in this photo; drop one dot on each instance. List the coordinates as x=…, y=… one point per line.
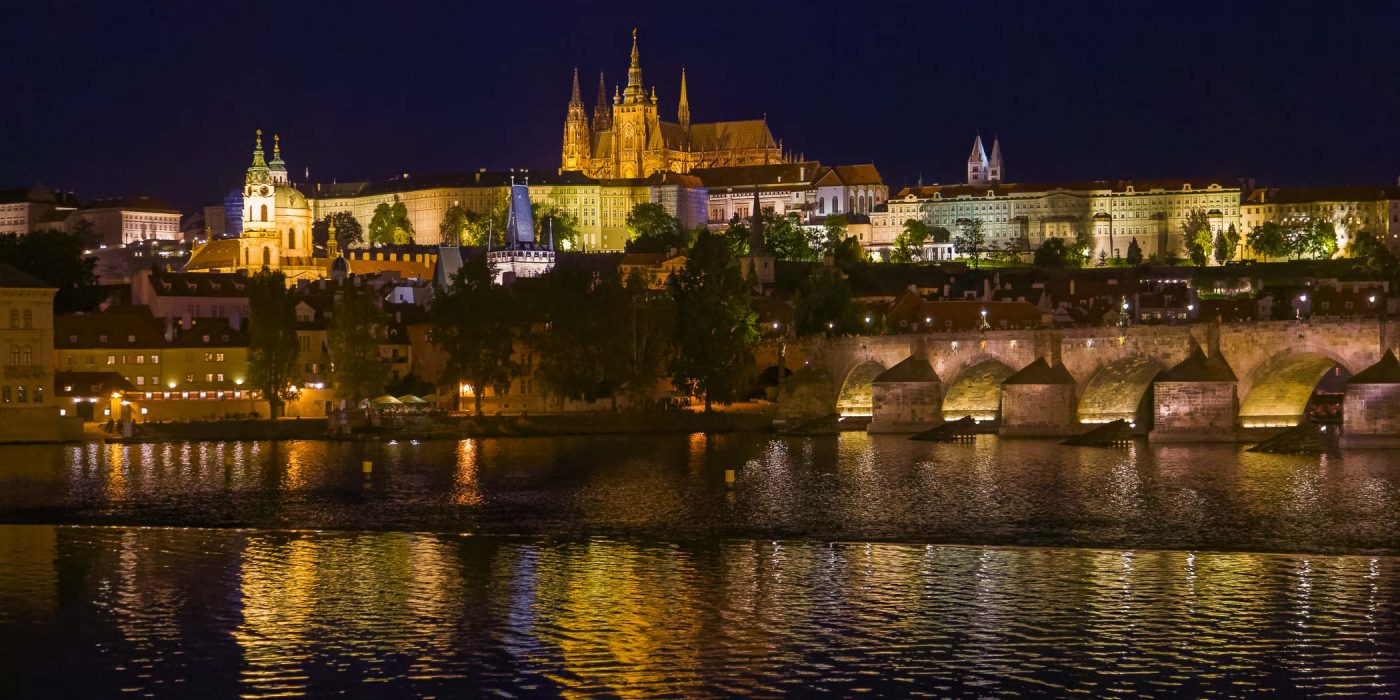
x=1278, y=393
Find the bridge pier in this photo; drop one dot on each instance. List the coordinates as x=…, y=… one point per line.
x=1196, y=401
x=1371, y=408
x=1039, y=401
x=906, y=398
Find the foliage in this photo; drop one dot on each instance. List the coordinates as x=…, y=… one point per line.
x=787, y=239
x=834, y=229
x=970, y=241
x=390, y=225
x=1318, y=239
x=648, y=322
x=651, y=229
x=272, y=338
x=716, y=328
x=1222, y=249
x=357, y=324
x=453, y=229
x=823, y=304
x=940, y=234
x=1269, y=239
x=1134, y=252
x=556, y=224
x=578, y=351
x=1197, y=236
x=474, y=325
x=56, y=257
x=1103, y=258
x=909, y=244
x=1053, y=252
x=479, y=227
x=347, y=230
x=1371, y=251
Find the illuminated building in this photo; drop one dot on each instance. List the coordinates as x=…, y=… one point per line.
x=808, y=189
x=522, y=255
x=29, y=209
x=28, y=412
x=117, y=222
x=632, y=140
x=1114, y=213
x=1350, y=209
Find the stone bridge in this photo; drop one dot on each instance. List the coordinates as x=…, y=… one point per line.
x=1059, y=381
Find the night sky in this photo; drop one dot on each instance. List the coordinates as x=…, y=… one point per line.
x=162, y=98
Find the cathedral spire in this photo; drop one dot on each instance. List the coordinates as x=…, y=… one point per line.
x=576, y=98
x=683, y=114
x=994, y=168
x=602, y=113
x=634, y=92
x=258, y=160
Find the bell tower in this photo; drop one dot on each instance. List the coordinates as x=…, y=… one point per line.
x=258, y=244
x=633, y=116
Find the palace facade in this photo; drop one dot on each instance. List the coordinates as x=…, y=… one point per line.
x=1114, y=212
x=628, y=138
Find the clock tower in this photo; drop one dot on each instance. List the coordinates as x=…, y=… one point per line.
x=259, y=241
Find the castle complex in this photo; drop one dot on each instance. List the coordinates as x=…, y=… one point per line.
x=630, y=140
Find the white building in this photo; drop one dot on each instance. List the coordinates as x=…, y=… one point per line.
x=118, y=222
x=806, y=188
x=28, y=209
x=522, y=255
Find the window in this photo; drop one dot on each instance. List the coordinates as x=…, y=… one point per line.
x=264, y=212
x=14, y=318
x=111, y=359
x=5, y=394
x=140, y=359
x=14, y=355
x=218, y=357
x=189, y=378
x=38, y=394
x=28, y=354
x=140, y=381
x=209, y=377
x=21, y=395
x=219, y=377
x=28, y=318
x=155, y=359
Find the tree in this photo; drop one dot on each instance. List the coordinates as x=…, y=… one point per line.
x=650, y=229
x=347, y=230
x=390, y=225
x=1319, y=239
x=357, y=324
x=848, y=254
x=970, y=241
x=577, y=353
x=1103, y=258
x=272, y=338
x=1053, y=253
x=557, y=225
x=909, y=244
x=57, y=257
x=1198, y=237
x=940, y=234
x=1269, y=240
x=473, y=323
x=787, y=239
x=1134, y=252
x=648, y=323
x=716, y=328
x=479, y=227
x=453, y=229
x=833, y=232
x=1371, y=251
x=823, y=304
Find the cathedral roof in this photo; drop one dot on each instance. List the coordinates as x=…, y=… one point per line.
x=1002, y=189
x=849, y=175
x=445, y=180
x=723, y=136
x=750, y=175
x=288, y=197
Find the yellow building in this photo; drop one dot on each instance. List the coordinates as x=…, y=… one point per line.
x=1349, y=209
x=174, y=370
x=28, y=411
x=630, y=140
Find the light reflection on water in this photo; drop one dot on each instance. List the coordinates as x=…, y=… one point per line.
x=265, y=613
x=852, y=487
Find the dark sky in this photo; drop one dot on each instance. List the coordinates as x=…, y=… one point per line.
x=162, y=98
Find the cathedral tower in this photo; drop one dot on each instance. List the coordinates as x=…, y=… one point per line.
x=634, y=120
x=602, y=109
x=576, y=134
x=994, y=169
x=977, y=165
x=683, y=114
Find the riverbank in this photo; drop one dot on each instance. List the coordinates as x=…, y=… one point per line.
x=447, y=427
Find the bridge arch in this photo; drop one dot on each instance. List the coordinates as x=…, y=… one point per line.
x=1279, y=390
x=975, y=389
x=856, y=397
x=1120, y=390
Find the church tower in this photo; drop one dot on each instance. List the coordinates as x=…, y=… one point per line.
x=683, y=114
x=634, y=119
x=576, y=134
x=258, y=242
x=602, y=109
x=977, y=165
x=277, y=166
x=994, y=169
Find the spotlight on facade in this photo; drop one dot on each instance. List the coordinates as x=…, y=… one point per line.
x=868, y=319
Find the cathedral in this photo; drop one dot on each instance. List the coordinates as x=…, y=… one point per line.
x=628, y=138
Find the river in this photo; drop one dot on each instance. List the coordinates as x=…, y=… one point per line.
x=628, y=566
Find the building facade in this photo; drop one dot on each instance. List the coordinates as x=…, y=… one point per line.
x=1349, y=209
x=806, y=188
x=28, y=411
x=28, y=209
x=1115, y=213
x=630, y=139
x=118, y=222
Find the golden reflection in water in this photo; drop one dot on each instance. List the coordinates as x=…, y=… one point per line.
x=386, y=596
x=624, y=621
x=115, y=469
x=297, y=458
x=466, y=491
